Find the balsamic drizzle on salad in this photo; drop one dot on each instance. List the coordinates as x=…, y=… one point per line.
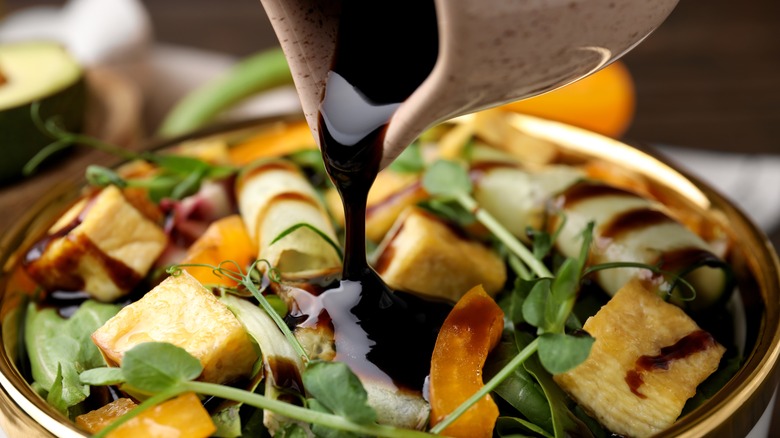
x=379, y=62
x=692, y=343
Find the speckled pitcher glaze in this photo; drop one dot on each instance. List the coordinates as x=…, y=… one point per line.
x=490, y=52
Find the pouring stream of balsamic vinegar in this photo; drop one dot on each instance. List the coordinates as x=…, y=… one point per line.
x=385, y=50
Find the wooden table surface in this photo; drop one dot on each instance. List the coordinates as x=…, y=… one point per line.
x=708, y=78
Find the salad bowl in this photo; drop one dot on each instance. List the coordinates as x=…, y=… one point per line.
x=754, y=307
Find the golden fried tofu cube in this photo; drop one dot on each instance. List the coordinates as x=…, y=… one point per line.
x=648, y=359
x=102, y=245
x=181, y=311
x=424, y=255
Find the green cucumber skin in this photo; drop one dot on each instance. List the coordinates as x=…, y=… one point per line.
x=21, y=139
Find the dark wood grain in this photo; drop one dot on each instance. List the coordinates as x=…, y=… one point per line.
x=708, y=77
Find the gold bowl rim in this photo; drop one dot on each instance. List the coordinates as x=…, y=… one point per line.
x=733, y=411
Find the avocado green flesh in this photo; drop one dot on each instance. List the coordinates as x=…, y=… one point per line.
x=35, y=72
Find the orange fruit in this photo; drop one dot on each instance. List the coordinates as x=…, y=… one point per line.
x=603, y=102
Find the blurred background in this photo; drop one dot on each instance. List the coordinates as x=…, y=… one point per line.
x=709, y=77
x=708, y=80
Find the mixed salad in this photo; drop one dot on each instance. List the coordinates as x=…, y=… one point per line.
x=189, y=291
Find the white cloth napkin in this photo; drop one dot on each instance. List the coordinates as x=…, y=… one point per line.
x=752, y=182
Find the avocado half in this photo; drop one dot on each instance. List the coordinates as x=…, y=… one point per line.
x=31, y=72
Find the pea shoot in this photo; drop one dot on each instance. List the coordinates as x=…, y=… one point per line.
x=163, y=371
x=178, y=176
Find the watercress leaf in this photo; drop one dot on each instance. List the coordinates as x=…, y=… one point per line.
x=335, y=386
x=565, y=423
x=253, y=425
x=534, y=305
x=326, y=432
x=102, y=376
x=450, y=210
x=321, y=431
x=589, y=302
x=542, y=243
x=100, y=176
x=513, y=309
x=573, y=322
x=57, y=349
x=315, y=405
x=467, y=153
x=446, y=178
x=67, y=390
x=54, y=396
x=560, y=352
x=160, y=186
x=520, y=389
x=89, y=317
x=189, y=185
x=38, y=330
x=512, y=427
x=219, y=172
x=179, y=164
x=410, y=160
x=291, y=430
x=158, y=366
x=587, y=238
x=51, y=340
x=563, y=293
x=567, y=280
x=593, y=425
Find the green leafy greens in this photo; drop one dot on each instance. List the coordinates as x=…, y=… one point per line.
x=335, y=403
x=178, y=175
x=541, y=298
x=59, y=349
x=449, y=180
x=410, y=160
x=167, y=371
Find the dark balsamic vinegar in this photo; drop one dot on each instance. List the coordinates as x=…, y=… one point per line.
x=385, y=50
x=692, y=343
